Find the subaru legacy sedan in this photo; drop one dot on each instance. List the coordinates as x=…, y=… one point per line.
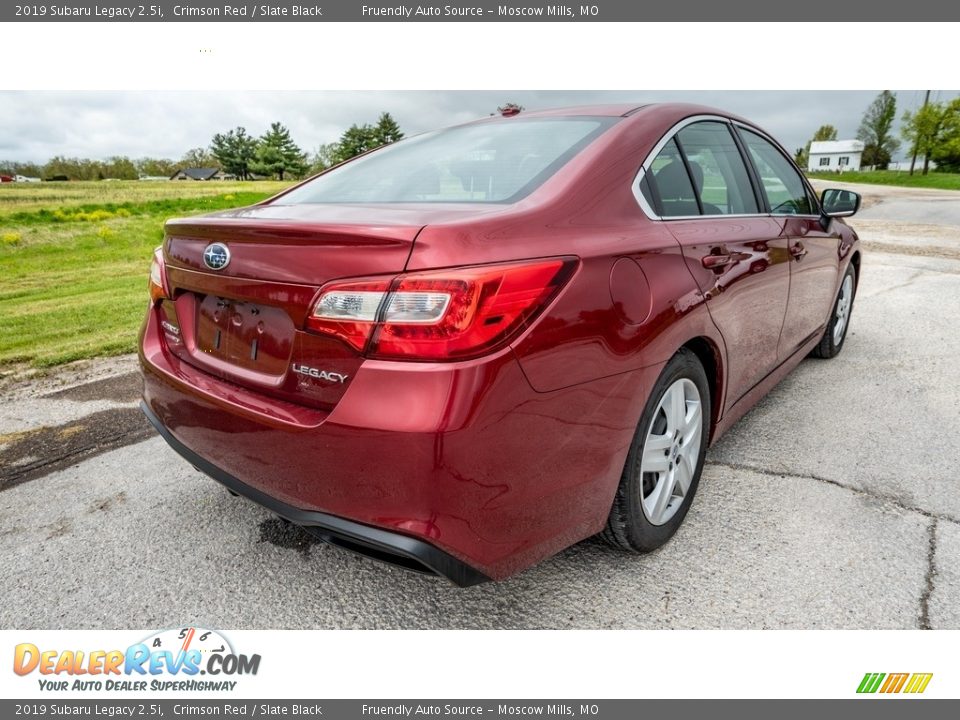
x=468, y=350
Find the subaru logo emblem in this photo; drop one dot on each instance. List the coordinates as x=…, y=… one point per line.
x=216, y=256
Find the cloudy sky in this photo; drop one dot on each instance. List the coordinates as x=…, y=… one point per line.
x=35, y=126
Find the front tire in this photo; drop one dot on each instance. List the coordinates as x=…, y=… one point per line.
x=665, y=460
x=836, y=331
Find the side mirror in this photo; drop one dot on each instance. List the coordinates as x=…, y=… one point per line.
x=839, y=203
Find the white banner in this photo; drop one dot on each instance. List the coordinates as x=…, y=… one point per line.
x=409, y=664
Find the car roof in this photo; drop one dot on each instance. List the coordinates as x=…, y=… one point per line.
x=625, y=109
x=618, y=110
x=665, y=112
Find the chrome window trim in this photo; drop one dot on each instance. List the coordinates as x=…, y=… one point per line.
x=668, y=136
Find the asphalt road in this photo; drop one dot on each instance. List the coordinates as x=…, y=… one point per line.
x=833, y=504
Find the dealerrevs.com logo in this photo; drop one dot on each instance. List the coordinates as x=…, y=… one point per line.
x=182, y=659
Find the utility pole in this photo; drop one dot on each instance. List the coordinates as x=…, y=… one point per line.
x=916, y=142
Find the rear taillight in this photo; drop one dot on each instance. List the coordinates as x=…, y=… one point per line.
x=481, y=307
x=438, y=315
x=349, y=310
x=158, y=277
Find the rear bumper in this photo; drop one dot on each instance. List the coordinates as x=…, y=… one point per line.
x=458, y=468
x=390, y=547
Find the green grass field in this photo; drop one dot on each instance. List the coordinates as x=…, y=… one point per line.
x=74, y=259
x=74, y=256
x=940, y=181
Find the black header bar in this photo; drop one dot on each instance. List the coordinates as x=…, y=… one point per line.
x=824, y=12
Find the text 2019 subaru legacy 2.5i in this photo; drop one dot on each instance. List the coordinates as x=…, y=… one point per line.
x=473, y=348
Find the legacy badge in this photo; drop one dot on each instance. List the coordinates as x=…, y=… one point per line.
x=319, y=374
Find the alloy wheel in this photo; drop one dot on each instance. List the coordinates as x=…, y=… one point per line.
x=671, y=451
x=842, y=313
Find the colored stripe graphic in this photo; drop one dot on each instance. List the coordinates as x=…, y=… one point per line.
x=870, y=682
x=894, y=683
x=918, y=682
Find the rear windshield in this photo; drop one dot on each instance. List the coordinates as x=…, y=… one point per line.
x=497, y=162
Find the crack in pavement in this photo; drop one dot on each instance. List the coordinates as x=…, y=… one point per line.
x=917, y=274
x=924, y=619
x=878, y=260
x=885, y=497
x=926, y=593
x=937, y=251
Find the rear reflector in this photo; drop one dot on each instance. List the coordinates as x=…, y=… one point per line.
x=438, y=315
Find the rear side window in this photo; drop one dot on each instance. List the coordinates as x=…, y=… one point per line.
x=497, y=162
x=671, y=185
x=784, y=187
x=719, y=175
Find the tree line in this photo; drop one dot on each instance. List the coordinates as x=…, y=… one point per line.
x=932, y=132
x=273, y=154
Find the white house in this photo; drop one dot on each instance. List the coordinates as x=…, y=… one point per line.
x=834, y=155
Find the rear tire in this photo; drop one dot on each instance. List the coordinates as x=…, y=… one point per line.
x=836, y=331
x=663, y=467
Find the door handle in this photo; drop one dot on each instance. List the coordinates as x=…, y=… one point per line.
x=798, y=251
x=712, y=262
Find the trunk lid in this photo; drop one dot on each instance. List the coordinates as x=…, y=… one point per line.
x=244, y=322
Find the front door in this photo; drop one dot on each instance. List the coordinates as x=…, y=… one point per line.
x=814, y=253
x=815, y=259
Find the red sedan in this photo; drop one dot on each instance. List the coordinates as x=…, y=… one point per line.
x=466, y=351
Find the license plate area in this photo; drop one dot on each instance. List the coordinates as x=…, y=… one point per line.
x=248, y=335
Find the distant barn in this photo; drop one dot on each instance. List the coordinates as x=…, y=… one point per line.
x=194, y=173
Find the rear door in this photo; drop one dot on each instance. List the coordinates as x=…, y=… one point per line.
x=814, y=256
x=736, y=253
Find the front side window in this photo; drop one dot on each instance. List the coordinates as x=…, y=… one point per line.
x=717, y=168
x=824, y=162
x=784, y=187
x=497, y=162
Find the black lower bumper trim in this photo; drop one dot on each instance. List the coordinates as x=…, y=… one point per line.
x=383, y=545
